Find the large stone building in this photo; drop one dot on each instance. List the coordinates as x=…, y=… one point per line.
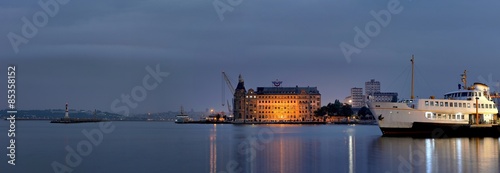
x=275, y=103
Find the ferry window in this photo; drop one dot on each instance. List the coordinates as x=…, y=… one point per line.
x=437, y=103
x=482, y=106
x=459, y=104
x=445, y=104
x=455, y=104
x=474, y=105
x=470, y=94
x=451, y=104
x=463, y=117
x=441, y=104
x=479, y=94
x=464, y=94
x=475, y=94
x=468, y=105
x=432, y=103
x=426, y=103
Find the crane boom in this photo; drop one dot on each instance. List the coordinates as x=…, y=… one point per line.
x=228, y=82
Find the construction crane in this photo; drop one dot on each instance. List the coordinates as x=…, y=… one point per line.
x=231, y=88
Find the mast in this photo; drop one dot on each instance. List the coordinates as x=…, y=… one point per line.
x=464, y=79
x=412, y=76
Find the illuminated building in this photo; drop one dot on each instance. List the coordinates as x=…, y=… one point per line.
x=276, y=103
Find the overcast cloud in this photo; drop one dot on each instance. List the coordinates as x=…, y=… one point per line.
x=93, y=51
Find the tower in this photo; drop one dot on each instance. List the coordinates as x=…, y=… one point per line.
x=239, y=99
x=66, y=114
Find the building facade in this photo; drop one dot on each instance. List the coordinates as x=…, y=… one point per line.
x=357, y=98
x=371, y=87
x=276, y=103
x=385, y=96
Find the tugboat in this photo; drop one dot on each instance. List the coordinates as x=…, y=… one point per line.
x=182, y=117
x=468, y=112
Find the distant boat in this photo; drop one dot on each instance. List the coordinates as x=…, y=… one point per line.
x=182, y=117
x=469, y=111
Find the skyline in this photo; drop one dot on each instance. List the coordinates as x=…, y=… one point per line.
x=90, y=53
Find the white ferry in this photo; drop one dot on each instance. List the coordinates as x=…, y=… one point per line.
x=182, y=117
x=469, y=111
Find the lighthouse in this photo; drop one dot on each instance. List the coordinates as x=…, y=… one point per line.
x=66, y=115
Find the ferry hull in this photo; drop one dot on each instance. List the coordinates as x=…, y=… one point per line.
x=439, y=130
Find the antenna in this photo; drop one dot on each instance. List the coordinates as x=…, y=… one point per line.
x=412, y=76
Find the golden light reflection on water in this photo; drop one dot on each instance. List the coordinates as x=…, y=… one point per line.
x=294, y=150
x=213, y=149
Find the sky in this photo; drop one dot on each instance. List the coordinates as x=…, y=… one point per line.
x=91, y=53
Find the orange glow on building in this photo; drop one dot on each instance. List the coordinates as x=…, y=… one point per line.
x=276, y=103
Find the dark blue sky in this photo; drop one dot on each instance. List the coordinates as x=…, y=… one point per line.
x=92, y=52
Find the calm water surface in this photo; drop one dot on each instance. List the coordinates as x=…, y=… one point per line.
x=168, y=147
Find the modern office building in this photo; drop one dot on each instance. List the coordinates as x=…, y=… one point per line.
x=357, y=98
x=276, y=103
x=371, y=87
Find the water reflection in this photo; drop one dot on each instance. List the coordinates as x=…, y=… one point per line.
x=213, y=149
x=293, y=149
x=435, y=155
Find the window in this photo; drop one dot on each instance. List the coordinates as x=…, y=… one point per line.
x=474, y=105
x=441, y=104
x=459, y=104
x=426, y=103
x=455, y=104
x=428, y=115
x=463, y=117
x=451, y=104
x=445, y=104
x=464, y=94
x=432, y=103
x=468, y=105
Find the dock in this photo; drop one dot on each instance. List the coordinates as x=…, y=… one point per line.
x=76, y=120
